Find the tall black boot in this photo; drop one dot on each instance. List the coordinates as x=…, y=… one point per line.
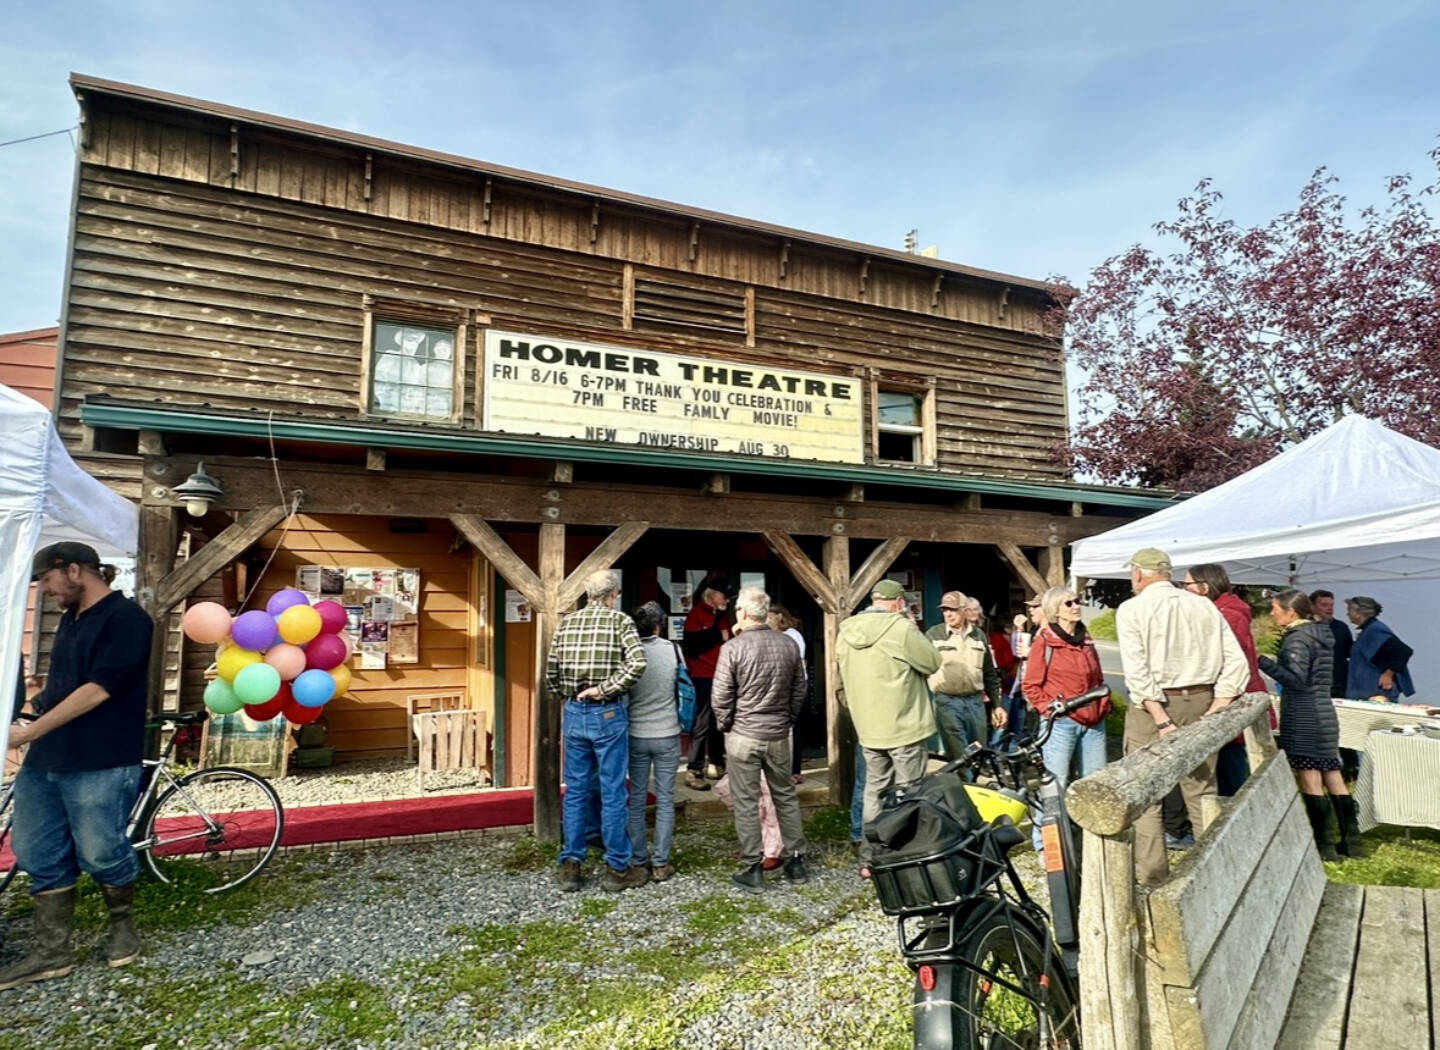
x=51, y=956
x=1317, y=808
x=1347, y=814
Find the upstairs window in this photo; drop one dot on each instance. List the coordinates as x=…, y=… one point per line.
x=904, y=424
x=414, y=369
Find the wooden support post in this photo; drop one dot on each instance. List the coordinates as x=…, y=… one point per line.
x=549, y=822
x=374, y=459
x=854, y=493
x=506, y=562
x=159, y=537
x=151, y=443
x=215, y=555
x=879, y=562
x=1021, y=566
x=716, y=485
x=1052, y=565
x=610, y=550
x=562, y=472
x=803, y=569
x=840, y=732
x=1109, y=937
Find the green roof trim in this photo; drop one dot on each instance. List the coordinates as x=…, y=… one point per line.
x=250, y=425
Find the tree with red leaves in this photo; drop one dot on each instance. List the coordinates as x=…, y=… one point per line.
x=1202, y=363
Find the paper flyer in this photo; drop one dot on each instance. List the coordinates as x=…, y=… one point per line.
x=517, y=609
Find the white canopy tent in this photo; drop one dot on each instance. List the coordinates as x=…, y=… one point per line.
x=1354, y=509
x=44, y=497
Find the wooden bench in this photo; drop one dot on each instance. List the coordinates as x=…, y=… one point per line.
x=1243, y=947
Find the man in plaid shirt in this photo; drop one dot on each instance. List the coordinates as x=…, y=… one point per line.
x=595, y=657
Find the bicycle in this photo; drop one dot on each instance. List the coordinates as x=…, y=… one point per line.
x=227, y=817
x=992, y=968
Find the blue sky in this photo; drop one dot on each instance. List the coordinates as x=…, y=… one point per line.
x=1029, y=137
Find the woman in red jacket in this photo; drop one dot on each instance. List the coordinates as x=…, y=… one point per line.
x=1063, y=663
x=1232, y=768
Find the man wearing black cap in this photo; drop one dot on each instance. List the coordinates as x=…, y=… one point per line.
x=82, y=771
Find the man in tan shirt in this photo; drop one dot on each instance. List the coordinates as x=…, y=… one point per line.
x=1181, y=661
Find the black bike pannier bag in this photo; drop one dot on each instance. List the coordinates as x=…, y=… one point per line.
x=921, y=858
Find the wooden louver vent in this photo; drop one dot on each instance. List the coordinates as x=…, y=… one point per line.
x=677, y=306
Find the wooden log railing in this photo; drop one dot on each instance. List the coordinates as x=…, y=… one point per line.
x=1118, y=978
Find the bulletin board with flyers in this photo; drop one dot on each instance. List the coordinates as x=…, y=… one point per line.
x=382, y=610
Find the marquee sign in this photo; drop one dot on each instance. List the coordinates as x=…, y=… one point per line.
x=626, y=396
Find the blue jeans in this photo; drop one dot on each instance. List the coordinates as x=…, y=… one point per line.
x=857, y=797
x=1066, y=738
x=662, y=753
x=66, y=823
x=597, y=756
x=962, y=721
x=1016, y=710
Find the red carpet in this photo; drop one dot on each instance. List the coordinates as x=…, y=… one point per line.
x=307, y=825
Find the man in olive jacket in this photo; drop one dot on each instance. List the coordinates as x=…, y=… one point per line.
x=884, y=661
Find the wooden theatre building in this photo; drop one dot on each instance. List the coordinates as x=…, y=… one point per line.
x=408, y=369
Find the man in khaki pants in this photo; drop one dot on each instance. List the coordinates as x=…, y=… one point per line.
x=1181, y=662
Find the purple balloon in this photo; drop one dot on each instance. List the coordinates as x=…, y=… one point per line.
x=253, y=630
x=282, y=600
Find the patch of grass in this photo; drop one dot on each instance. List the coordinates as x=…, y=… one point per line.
x=1103, y=626
x=525, y=854
x=707, y=846
x=829, y=826
x=557, y=941
x=598, y=907
x=678, y=961
x=490, y=938
x=721, y=912
x=352, y=1011
x=1395, y=860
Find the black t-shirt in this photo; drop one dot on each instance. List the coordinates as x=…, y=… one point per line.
x=108, y=644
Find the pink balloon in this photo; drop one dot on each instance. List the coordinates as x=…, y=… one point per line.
x=207, y=623
x=288, y=659
x=349, y=646
x=332, y=617
x=325, y=652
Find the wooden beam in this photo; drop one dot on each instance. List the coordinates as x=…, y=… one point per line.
x=784, y=258
x=151, y=443
x=159, y=538
x=1022, y=568
x=1052, y=565
x=1109, y=939
x=875, y=566
x=749, y=315
x=1077, y=509
x=969, y=501
x=218, y=553
x=602, y=557
x=840, y=731
x=545, y=735
x=507, y=563
x=562, y=472
x=716, y=485
x=803, y=569
x=627, y=297
x=854, y=493
x=375, y=459
x=864, y=275
x=350, y=489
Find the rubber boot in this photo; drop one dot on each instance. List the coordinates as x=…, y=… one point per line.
x=1317, y=808
x=1347, y=815
x=51, y=956
x=122, y=943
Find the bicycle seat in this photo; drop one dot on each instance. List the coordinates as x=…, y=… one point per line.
x=182, y=718
x=1006, y=835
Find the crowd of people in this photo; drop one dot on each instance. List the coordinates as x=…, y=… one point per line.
x=1186, y=649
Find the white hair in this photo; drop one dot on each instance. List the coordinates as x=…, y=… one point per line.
x=1051, y=599
x=602, y=584
x=754, y=603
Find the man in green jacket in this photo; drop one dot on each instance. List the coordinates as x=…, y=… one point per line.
x=884, y=661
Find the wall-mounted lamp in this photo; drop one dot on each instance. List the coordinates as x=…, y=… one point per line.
x=198, y=491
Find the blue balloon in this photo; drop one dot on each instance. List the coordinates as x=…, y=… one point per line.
x=313, y=688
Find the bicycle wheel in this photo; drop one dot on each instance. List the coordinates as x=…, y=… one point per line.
x=1000, y=1006
x=7, y=856
x=215, y=829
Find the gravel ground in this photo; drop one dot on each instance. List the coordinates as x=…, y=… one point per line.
x=467, y=943
x=372, y=780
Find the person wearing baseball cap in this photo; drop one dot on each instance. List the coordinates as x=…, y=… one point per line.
x=884, y=661
x=967, y=685
x=81, y=770
x=1181, y=661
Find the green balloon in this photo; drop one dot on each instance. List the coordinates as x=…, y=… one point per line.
x=257, y=683
x=220, y=698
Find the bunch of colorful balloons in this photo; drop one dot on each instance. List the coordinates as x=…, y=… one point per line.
x=288, y=660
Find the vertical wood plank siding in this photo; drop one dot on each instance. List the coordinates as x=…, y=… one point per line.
x=185, y=290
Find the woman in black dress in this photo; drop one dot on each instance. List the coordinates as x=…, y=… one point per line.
x=1309, y=730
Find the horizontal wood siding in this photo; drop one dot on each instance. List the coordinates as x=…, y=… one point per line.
x=200, y=295
x=370, y=720
x=293, y=168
